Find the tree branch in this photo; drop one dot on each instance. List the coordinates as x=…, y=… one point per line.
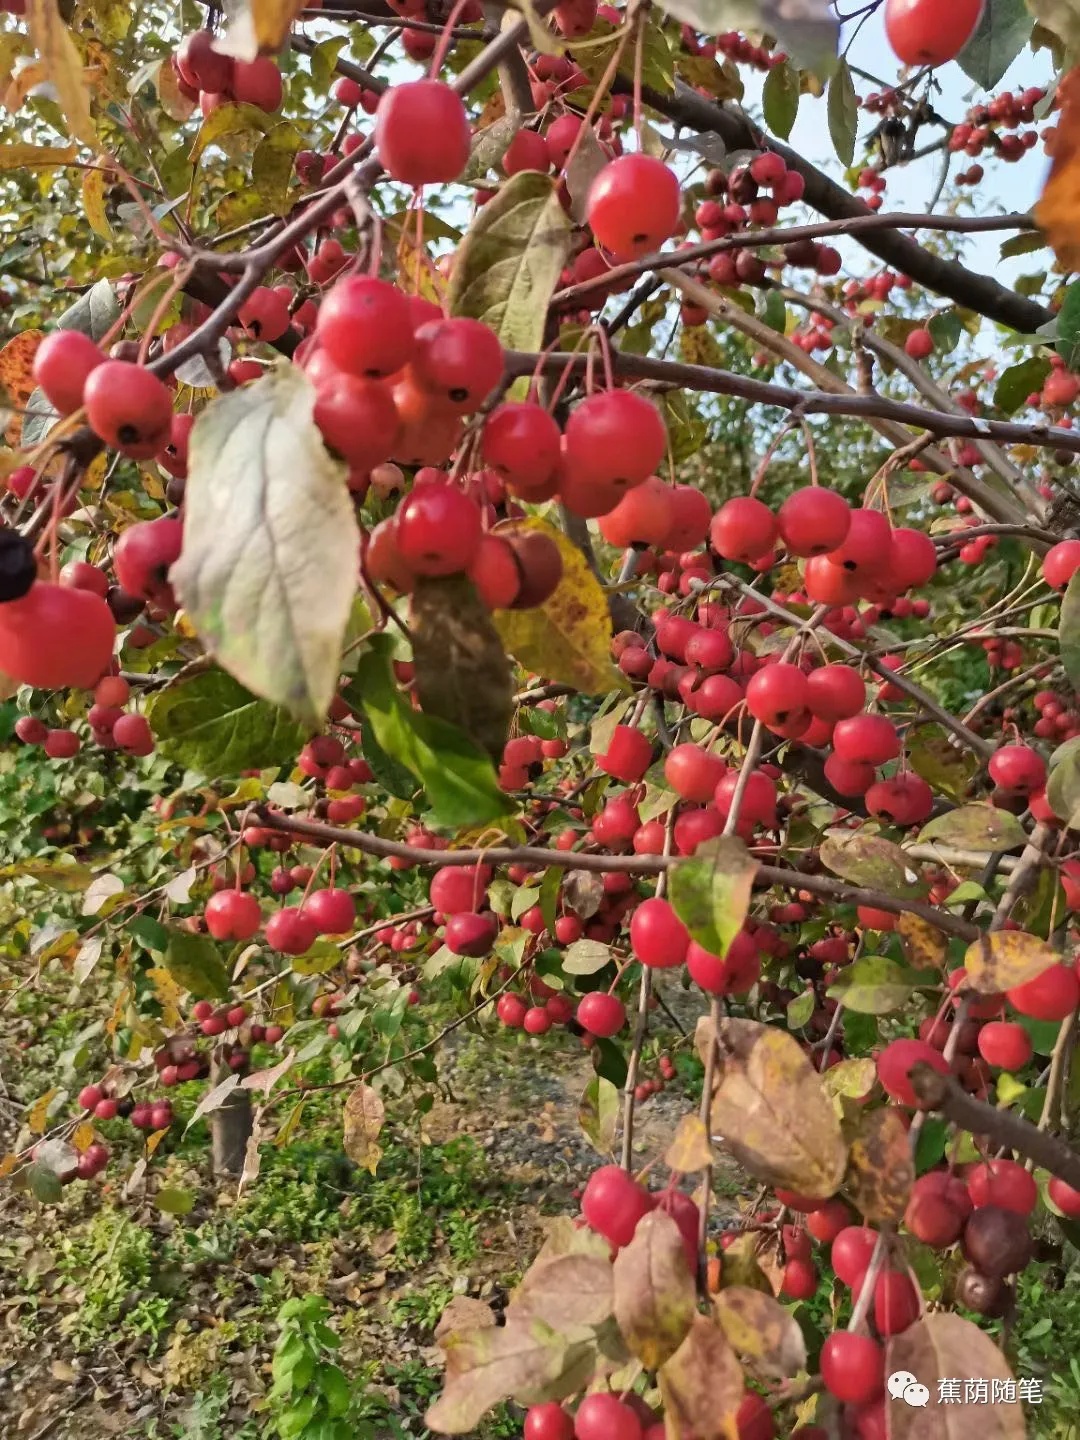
x=535, y=855
x=939, y=1092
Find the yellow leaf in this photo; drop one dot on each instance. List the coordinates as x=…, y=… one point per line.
x=568, y=638
x=690, y=1149
x=168, y=994
x=1005, y=959
x=83, y=1137
x=39, y=1112
x=94, y=185
x=881, y=1171
x=63, y=65
x=155, y=1140
x=7, y=1164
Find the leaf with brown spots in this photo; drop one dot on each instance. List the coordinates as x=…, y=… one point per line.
x=773, y=1113
x=881, y=1171
x=759, y=1328
x=874, y=862
x=568, y=637
x=690, y=1149
x=1006, y=958
x=924, y=944
x=17, y=375
x=654, y=1290
x=850, y=1077
x=702, y=1386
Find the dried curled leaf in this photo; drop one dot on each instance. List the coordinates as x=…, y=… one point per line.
x=364, y=1115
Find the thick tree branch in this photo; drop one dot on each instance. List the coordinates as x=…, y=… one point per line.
x=677, y=375
x=1007, y=1129
x=945, y=277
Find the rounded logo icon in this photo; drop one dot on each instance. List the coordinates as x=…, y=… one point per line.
x=899, y=1381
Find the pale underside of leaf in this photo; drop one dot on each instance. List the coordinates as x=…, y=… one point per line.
x=268, y=569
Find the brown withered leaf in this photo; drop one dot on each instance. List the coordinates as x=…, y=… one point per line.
x=690, y=1149
x=1006, y=958
x=572, y=1290
x=583, y=892
x=925, y=945
x=775, y=1117
x=761, y=1329
x=488, y=1364
x=881, y=1171
x=462, y=673
x=464, y=1313
x=364, y=1116
x=941, y=1347
x=873, y=861
x=1058, y=210
x=702, y=1386
x=654, y=1290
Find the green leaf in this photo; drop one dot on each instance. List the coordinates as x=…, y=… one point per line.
x=1069, y=632
x=946, y=329
x=711, y=893
x=800, y=1009
x=1020, y=381
x=509, y=262
x=392, y=776
x=211, y=724
x=873, y=985
x=1068, y=332
x=586, y=957
x=269, y=565
x=1063, y=786
x=780, y=99
x=843, y=109
x=598, y=1113
x=975, y=827
x=872, y=862
x=774, y=312
x=1002, y=32
x=459, y=779
x=149, y=933
x=195, y=963
x=175, y=1202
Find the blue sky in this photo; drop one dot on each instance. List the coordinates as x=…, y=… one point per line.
x=1005, y=188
